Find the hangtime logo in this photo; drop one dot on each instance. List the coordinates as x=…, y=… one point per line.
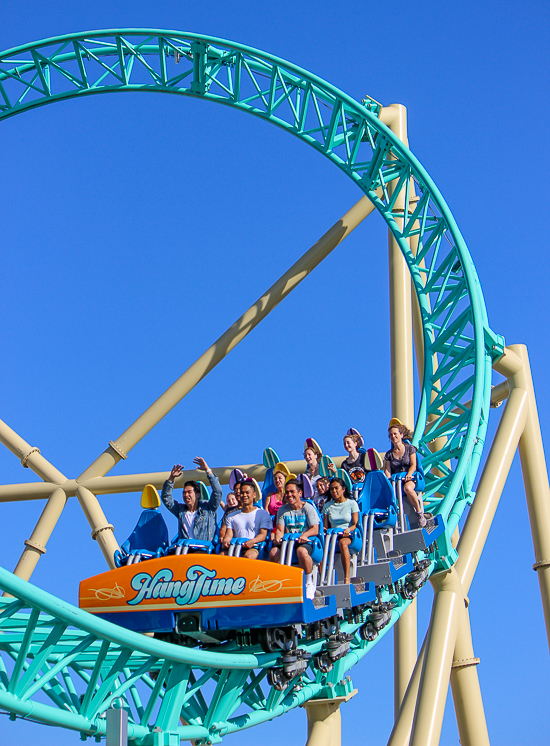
x=200, y=582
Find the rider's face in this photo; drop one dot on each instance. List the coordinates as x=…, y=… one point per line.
x=349, y=444
x=247, y=495
x=395, y=435
x=293, y=496
x=279, y=480
x=311, y=457
x=190, y=497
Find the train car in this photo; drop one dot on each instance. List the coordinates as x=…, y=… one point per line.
x=205, y=597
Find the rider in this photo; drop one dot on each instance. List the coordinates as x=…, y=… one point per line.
x=297, y=517
x=251, y=523
x=196, y=520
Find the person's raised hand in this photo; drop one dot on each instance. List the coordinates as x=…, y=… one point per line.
x=177, y=471
x=201, y=464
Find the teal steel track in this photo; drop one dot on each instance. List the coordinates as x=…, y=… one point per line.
x=63, y=666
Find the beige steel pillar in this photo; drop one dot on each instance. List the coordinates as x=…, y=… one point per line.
x=535, y=479
x=401, y=732
x=434, y=680
x=467, y=697
x=402, y=392
x=31, y=457
x=324, y=722
x=102, y=531
x=119, y=449
x=35, y=547
x=464, y=680
x=491, y=484
x=402, y=397
x=468, y=702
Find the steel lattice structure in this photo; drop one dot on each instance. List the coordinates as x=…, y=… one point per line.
x=64, y=666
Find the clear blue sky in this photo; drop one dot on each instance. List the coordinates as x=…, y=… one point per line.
x=136, y=229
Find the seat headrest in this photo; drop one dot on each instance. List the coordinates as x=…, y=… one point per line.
x=312, y=443
x=150, y=498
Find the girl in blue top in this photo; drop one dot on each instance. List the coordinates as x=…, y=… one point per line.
x=342, y=512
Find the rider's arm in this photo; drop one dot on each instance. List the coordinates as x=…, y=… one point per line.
x=227, y=537
x=412, y=467
x=261, y=536
x=168, y=499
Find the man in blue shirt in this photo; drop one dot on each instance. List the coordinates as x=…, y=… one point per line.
x=297, y=517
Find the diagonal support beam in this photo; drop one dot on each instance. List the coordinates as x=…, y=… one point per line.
x=223, y=346
x=30, y=456
x=515, y=366
x=452, y=620
x=438, y=657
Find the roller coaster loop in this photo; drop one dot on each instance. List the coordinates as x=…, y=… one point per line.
x=63, y=666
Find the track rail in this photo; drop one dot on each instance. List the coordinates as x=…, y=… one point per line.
x=218, y=693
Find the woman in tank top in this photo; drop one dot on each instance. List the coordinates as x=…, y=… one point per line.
x=402, y=458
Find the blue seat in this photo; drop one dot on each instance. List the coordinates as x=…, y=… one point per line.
x=377, y=499
x=149, y=539
x=268, y=486
x=378, y=507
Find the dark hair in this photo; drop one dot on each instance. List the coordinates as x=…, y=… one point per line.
x=403, y=429
x=195, y=486
x=297, y=483
x=248, y=482
x=347, y=493
x=323, y=479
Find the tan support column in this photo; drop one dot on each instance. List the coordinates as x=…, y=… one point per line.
x=324, y=722
x=30, y=456
x=535, y=480
x=120, y=448
x=102, y=531
x=402, y=391
x=401, y=732
x=468, y=702
x=467, y=697
x=434, y=680
x=402, y=397
x=491, y=484
x=35, y=547
x=465, y=684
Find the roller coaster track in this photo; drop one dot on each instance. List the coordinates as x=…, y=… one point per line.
x=65, y=667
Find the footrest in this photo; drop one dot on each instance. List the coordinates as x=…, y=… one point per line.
x=419, y=539
x=358, y=592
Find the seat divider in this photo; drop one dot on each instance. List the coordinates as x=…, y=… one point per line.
x=370, y=560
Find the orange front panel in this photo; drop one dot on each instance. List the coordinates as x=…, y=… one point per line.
x=192, y=581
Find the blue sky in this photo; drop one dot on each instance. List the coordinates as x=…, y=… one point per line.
x=136, y=229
